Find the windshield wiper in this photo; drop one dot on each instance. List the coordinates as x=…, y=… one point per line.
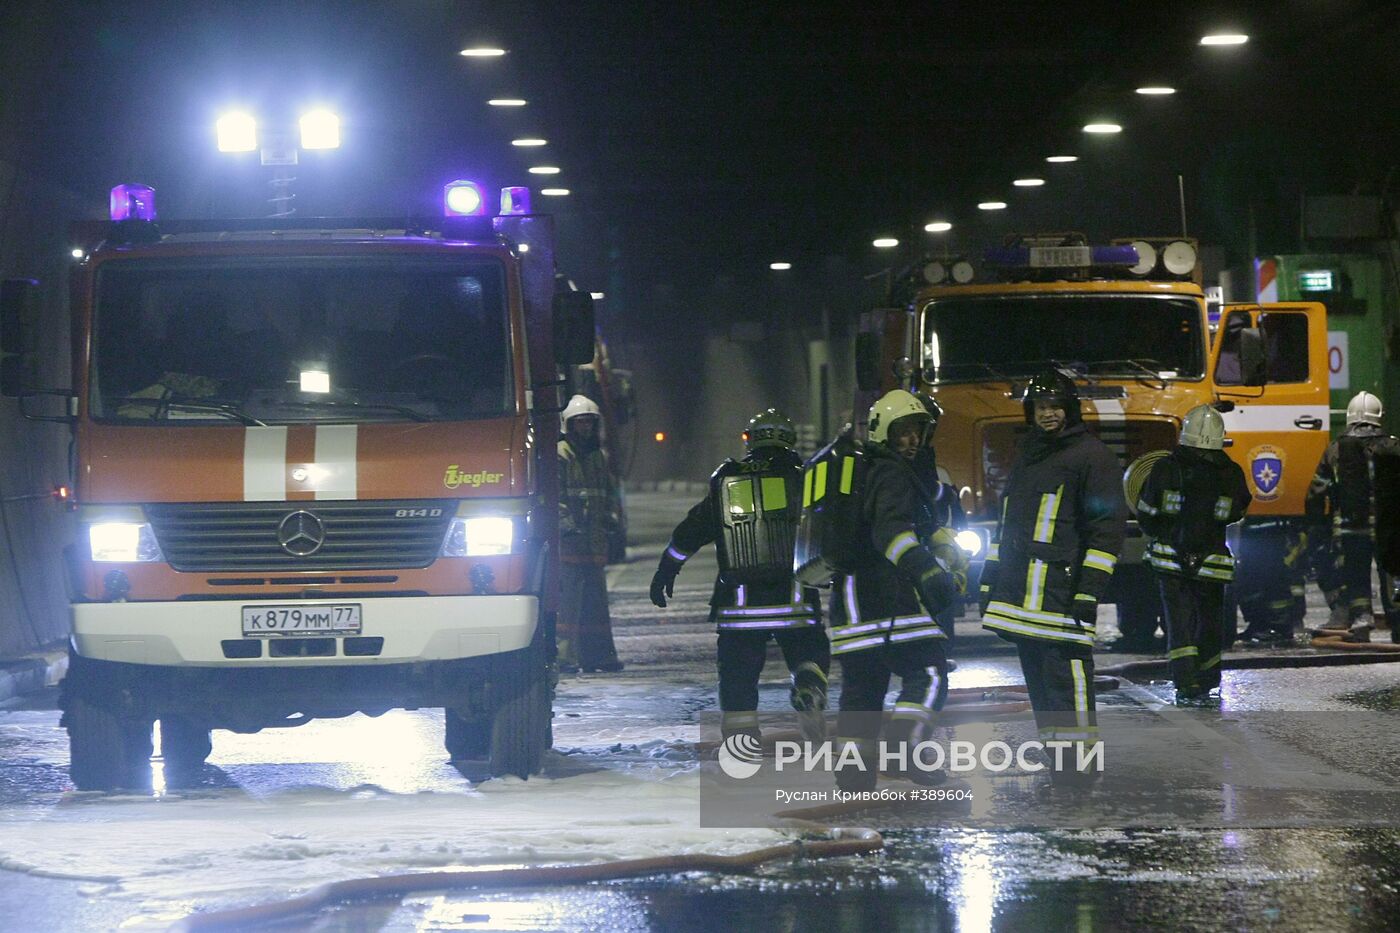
x=1139, y=366
x=360, y=406
x=160, y=404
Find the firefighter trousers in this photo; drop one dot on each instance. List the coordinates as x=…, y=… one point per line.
x=1355, y=552
x=922, y=668
x=1060, y=682
x=1195, y=617
x=585, y=629
x=741, y=656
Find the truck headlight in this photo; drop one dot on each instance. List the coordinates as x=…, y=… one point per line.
x=479, y=536
x=123, y=542
x=970, y=541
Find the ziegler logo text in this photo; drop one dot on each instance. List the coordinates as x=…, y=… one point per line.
x=454, y=478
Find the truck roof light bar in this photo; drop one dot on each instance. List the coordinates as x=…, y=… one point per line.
x=133, y=202
x=462, y=198
x=515, y=201
x=1061, y=257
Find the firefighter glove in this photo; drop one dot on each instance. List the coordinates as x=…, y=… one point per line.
x=1086, y=609
x=937, y=590
x=663, y=584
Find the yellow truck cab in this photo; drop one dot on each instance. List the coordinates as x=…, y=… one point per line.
x=313, y=474
x=1130, y=323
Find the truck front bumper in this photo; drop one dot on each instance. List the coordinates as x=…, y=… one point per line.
x=198, y=633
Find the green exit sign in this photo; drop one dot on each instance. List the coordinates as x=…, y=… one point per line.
x=1320, y=281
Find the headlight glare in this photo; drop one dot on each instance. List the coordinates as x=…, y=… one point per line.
x=479, y=536
x=123, y=542
x=970, y=541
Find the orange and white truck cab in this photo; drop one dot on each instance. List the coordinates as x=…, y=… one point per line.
x=1131, y=324
x=312, y=476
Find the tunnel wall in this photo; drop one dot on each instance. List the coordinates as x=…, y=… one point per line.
x=34, y=529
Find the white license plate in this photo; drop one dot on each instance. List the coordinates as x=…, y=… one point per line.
x=275, y=621
x=1050, y=257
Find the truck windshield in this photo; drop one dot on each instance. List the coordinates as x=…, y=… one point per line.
x=298, y=340
x=1004, y=337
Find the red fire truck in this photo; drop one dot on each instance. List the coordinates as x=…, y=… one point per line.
x=314, y=474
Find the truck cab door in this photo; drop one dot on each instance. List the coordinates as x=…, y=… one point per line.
x=1280, y=429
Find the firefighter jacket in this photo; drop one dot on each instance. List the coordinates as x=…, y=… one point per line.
x=879, y=602
x=1062, y=525
x=589, y=506
x=1342, y=488
x=768, y=606
x=1188, y=500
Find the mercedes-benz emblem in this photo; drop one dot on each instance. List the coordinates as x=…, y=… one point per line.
x=301, y=534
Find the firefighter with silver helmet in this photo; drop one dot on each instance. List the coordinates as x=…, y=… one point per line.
x=883, y=612
x=1343, y=490
x=750, y=515
x=589, y=507
x=1062, y=525
x=1186, y=503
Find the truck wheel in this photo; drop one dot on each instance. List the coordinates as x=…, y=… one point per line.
x=105, y=751
x=466, y=739
x=184, y=744
x=520, y=726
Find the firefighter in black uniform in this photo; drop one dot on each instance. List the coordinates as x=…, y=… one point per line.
x=883, y=613
x=1343, y=489
x=750, y=514
x=1062, y=525
x=1187, y=502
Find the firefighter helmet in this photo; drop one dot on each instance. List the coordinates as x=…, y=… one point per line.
x=769, y=428
x=889, y=408
x=1364, y=408
x=935, y=410
x=578, y=405
x=1203, y=428
x=1052, y=384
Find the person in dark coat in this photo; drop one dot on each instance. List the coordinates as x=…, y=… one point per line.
x=589, y=507
x=1189, y=499
x=1062, y=524
x=764, y=495
x=1343, y=489
x=883, y=612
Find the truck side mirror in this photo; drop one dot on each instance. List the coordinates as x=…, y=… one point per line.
x=17, y=297
x=573, y=328
x=868, y=361
x=1254, y=368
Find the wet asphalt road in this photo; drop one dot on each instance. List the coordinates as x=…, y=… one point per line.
x=1341, y=870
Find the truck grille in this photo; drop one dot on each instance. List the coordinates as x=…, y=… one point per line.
x=217, y=536
x=1127, y=439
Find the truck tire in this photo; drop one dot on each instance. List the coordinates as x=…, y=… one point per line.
x=466, y=739
x=106, y=751
x=520, y=723
x=184, y=744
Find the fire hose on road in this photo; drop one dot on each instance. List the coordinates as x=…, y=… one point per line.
x=839, y=842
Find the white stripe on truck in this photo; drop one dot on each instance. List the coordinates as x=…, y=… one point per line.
x=336, y=472
x=1250, y=417
x=265, y=464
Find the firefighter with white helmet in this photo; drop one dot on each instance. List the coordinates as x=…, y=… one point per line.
x=589, y=507
x=750, y=514
x=1188, y=500
x=1063, y=519
x=1343, y=490
x=883, y=613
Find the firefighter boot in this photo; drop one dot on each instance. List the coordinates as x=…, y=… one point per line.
x=808, y=696
x=857, y=765
x=901, y=757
